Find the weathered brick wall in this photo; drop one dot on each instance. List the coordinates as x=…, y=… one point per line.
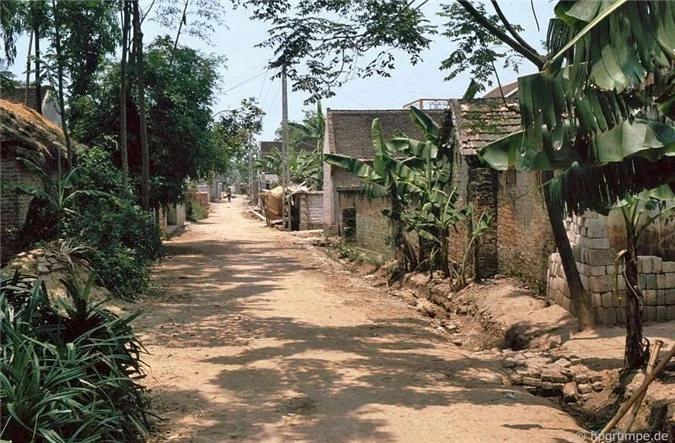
x=13, y=205
x=524, y=232
x=372, y=228
x=589, y=238
x=482, y=192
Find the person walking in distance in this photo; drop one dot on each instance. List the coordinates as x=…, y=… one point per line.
x=229, y=194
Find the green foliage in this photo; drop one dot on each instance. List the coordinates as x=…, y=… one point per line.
x=478, y=49
x=328, y=38
x=68, y=373
x=179, y=94
x=415, y=176
x=597, y=108
x=124, y=240
x=195, y=211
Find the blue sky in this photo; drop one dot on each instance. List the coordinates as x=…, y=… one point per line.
x=245, y=74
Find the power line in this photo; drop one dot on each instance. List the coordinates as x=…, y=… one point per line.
x=244, y=82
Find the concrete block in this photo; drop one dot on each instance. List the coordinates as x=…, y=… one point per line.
x=650, y=297
x=596, y=223
x=667, y=266
x=669, y=296
x=670, y=312
x=596, y=300
x=596, y=233
x=600, y=283
x=606, y=316
x=607, y=300
x=657, y=264
x=597, y=270
x=650, y=281
x=584, y=281
x=597, y=243
x=661, y=281
x=651, y=313
x=670, y=280
x=661, y=313
x=600, y=257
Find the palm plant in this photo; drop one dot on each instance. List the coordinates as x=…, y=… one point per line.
x=598, y=111
x=67, y=374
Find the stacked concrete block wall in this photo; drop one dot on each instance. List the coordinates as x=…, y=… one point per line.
x=595, y=260
x=310, y=207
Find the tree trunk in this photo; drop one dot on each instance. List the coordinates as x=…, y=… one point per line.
x=38, y=76
x=145, y=153
x=59, y=67
x=581, y=304
x=123, y=99
x=30, y=49
x=635, y=356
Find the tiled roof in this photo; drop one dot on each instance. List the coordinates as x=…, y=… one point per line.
x=18, y=95
x=509, y=90
x=25, y=133
x=482, y=121
x=350, y=131
x=476, y=122
x=266, y=147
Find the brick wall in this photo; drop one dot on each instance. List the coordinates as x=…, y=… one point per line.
x=589, y=238
x=524, y=232
x=372, y=228
x=13, y=205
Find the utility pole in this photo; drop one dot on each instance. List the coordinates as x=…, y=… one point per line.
x=285, y=219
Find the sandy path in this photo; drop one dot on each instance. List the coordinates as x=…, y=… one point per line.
x=259, y=338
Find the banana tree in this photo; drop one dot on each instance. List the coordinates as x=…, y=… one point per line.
x=387, y=176
x=596, y=112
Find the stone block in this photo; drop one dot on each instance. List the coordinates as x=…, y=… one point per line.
x=661, y=313
x=600, y=283
x=670, y=280
x=596, y=223
x=597, y=243
x=596, y=233
x=650, y=297
x=670, y=312
x=597, y=257
x=668, y=266
x=598, y=386
x=660, y=281
x=669, y=296
x=569, y=392
x=584, y=388
x=596, y=300
x=657, y=264
x=529, y=381
x=649, y=281
x=606, y=316
x=598, y=270
x=584, y=281
x=651, y=313
x=607, y=300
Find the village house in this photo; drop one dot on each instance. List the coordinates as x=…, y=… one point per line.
x=519, y=241
x=23, y=134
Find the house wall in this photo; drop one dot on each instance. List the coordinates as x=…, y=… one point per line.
x=13, y=205
x=524, y=231
x=372, y=228
x=311, y=210
x=590, y=242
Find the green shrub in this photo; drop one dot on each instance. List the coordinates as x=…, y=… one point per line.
x=124, y=240
x=68, y=373
x=195, y=211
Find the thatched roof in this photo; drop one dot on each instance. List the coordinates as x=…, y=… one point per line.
x=25, y=133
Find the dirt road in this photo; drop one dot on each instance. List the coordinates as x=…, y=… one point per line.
x=256, y=337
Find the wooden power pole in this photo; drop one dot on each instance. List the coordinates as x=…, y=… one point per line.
x=285, y=212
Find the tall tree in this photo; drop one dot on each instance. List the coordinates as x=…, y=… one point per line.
x=58, y=20
x=124, y=153
x=140, y=83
